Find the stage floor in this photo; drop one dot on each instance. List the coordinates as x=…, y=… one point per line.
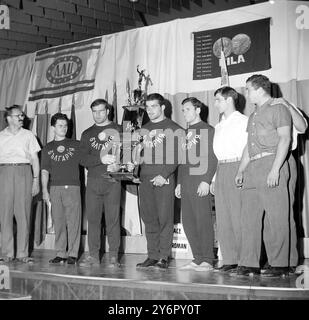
x=44, y=281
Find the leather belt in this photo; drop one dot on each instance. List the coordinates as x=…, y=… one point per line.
x=229, y=160
x=261, y=155
x=14, y=164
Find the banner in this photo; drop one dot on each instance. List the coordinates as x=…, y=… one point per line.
x=246, y=48
x=64, y=70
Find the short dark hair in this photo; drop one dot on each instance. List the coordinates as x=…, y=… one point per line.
x=58, y=116
x=194, y=101
x=260, y=81
x=108, y=107
x=156, y=96
x=9, y=110
x=228, y=92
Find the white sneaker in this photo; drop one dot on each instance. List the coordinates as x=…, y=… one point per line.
x=189, y=266
x=204, y=266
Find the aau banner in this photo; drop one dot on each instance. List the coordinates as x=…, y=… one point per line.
x=245, y=46
x=65, y=70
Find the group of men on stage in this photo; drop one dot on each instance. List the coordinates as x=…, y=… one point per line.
x=246, y=162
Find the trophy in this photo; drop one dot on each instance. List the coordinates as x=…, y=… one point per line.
x=134, y=117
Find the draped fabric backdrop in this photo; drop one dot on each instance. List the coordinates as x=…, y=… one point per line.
x=165, y=52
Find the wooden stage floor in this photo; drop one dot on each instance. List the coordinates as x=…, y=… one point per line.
x=43, y=281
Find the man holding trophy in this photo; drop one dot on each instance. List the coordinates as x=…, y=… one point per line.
x=103, y=192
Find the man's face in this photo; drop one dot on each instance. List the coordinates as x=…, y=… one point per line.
x=61, y=128
x=220, y=103
x=252, y=93
x=190, y=113
x=100, y=114
x=16, y=118
x=154, y=110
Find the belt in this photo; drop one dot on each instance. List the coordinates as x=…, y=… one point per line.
x=261, y=155
x=14, y=164
x=229, y=160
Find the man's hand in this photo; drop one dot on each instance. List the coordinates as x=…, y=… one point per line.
x=203, y=189
x=108, y=159
x=239, y=179
x=178, y=191
x=114, y=167
x=130, y=166
x=45, y=196
x=35, y=187
x=273, y=179
x=158, y=181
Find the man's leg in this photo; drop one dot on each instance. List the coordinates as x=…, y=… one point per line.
x=276, y=202
x=94, y=207
x=72, y=204
x=6, y=211
x=165, y=197
x=112, y=217
x=58, y=214
x=150, y=218
x=22, y=207
x=228, y=210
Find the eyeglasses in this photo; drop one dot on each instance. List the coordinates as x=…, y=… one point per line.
x=21, y=115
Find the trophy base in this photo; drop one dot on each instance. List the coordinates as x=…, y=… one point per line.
x=125, y=176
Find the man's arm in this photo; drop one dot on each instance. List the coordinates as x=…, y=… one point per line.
x=36, y=171
x=299, y=121
x=284, y=134
x=45, y=179
x=245, y=159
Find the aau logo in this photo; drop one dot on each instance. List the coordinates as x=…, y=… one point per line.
x=64, y=69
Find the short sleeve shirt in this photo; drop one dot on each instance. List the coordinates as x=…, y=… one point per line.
x=19, y=147
x=61, y=160
x=262, y=127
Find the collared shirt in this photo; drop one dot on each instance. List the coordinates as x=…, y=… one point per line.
x=262, y=127
x=19, y=147
x=230, y=136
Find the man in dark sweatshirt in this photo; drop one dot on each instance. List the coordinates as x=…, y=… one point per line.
x=160, y=161
x=96, y=148
x=194, y=179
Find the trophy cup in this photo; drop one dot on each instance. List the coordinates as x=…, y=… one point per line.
x=129, y=147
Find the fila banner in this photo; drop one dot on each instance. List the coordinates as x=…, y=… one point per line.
x=65, y=70
x=246, y=48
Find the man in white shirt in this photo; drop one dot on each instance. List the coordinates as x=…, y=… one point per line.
x=229, y=141
x=18, y=153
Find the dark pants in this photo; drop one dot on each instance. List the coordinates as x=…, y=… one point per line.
x=228, y=210
x=103, y=194
x=15, y=201
x=197, y=221
x=257, y=198
x=157, y=212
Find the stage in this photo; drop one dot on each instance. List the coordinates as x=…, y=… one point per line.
x=42, y=281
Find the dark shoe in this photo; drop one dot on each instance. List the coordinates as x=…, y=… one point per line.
x=57, y=260
x=276, y=272
x=247, y=271
x=226, y=268
x=25, y=260
x=71, y=260
x=147, y=263
x=292, y=270
x=162, y=264
x=6, y=259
